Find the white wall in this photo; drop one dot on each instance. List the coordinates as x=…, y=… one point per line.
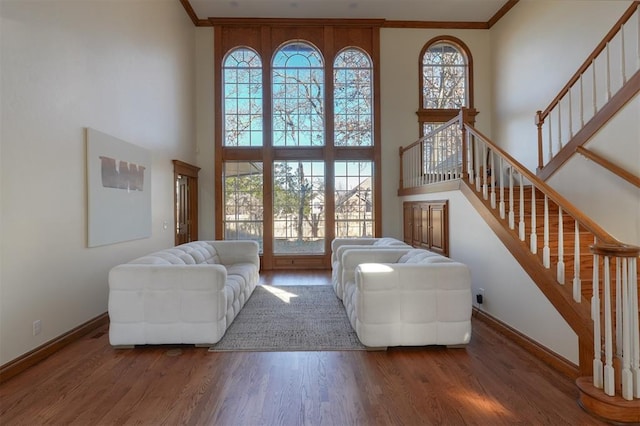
x=608, y=199
x=205, y=136
x=123, y=68
x=536, y=48
x=510, y=294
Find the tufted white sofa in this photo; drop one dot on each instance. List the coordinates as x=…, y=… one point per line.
x=340, y=245
x=186, y=294
x=406, y=297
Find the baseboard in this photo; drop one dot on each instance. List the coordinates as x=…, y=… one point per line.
x=557, y=362
x=40, y=353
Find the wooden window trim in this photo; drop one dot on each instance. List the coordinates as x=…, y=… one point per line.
x=264, y=37
x=428, y=115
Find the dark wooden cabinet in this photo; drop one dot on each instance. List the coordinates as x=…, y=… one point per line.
x=426, y=225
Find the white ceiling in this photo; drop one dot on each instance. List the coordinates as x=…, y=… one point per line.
x=402, y=10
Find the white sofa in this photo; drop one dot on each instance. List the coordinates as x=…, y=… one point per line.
x=187, y=294
x=407, y=298
x=340, y=245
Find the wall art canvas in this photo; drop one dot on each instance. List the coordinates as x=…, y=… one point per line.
x=119, y=190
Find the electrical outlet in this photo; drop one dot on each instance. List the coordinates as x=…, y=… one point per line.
x=480, y=298
x=37, y=327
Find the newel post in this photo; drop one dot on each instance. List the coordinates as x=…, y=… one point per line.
x=464, y=117
x=539, y=122
x=401, y=169
x=624, y=341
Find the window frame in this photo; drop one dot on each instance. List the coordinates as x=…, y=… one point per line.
x=330, y=38
x=442, y=115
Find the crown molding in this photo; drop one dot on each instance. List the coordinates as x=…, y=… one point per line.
x=472, y=25
x=500, y=13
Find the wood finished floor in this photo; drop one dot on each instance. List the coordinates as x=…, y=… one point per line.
x=490, y=382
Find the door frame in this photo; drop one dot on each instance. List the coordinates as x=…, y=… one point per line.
x=181, y=168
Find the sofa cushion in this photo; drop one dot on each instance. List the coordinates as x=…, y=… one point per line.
x=388, y=241
x=418, y=256
x=193, y=253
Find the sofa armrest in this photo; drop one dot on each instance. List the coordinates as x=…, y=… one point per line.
x=165, y=293
x=341, y=242
x=412, y=304
x=440, y=292
x=341, y=250
x=337, y=242
x=413, y=277
x=137, y=277
x=237, y=251
x=353, y=257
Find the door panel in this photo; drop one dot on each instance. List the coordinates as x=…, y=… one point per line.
x=182, y=210
x=186, y=202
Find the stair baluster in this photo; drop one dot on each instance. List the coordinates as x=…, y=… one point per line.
x=560, y=266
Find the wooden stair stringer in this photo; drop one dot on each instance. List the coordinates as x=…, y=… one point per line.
x=577, y=315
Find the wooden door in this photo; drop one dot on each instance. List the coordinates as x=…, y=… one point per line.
x=416, y=228
x=186, y=202
x=438, y=227
x=425, y=226
x=407, y=219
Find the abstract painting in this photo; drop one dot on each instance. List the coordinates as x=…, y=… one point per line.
x=118, y=190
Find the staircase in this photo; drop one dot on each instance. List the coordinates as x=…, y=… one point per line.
x=588, y=276
x=538, y=226
x=575, y=274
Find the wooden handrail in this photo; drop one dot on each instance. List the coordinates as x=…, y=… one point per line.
x=454, y=120
x=617, y=170
x=615, y=250
x=599, y=48
x=602, y=235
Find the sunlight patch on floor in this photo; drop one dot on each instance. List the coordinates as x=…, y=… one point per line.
x=280, y=293
x=483, y=403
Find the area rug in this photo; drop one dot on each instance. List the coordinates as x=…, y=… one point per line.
x=290, y=318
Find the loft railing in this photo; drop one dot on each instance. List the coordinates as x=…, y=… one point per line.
x=609, y=67
x=503, y=182
x=436, y=157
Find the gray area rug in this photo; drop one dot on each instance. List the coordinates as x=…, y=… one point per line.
x=290, y=318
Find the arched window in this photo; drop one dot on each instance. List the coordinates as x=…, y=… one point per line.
x=298, y=96
x=297, y=145
x=353, y=127
x=444, y=77
x=353, y=98
x=446, y=83
x=242, y=77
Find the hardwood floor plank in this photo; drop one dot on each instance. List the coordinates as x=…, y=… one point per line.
x=491, y=381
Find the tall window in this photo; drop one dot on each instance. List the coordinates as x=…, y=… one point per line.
x=298, y=207
x=298, y=96
x=446, y=83
x=353, y=100
x=242, y=98
x=354, y=198
x=444, y=77
x=353, y=112
x=297, y=151
x=243, y=201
